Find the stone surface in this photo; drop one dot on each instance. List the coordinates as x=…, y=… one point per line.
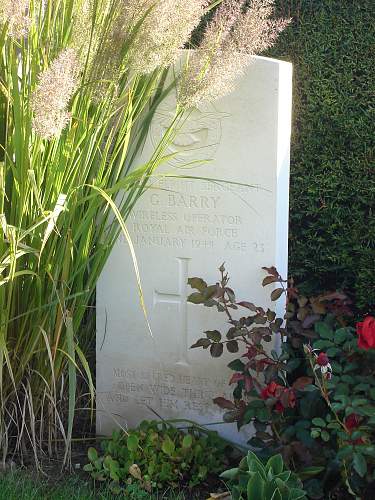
x=186, y=227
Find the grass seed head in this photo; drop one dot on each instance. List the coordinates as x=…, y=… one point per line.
x=15, y=13
x=51, y=97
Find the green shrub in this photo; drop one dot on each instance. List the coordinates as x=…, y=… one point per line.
x=314, y=399
x=332, y=223
x=254, y=481
x=158, y=455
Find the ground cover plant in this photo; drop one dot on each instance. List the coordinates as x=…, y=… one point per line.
x=79, y=83
x=157, y=455
x=313, y=401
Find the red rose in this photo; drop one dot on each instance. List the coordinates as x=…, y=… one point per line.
x=366, y=333
x=286, y=398
x=351, y=422
x=279, y=408
x=291, y=398
x=322, y=359
x=271, y=390
x=359, y=441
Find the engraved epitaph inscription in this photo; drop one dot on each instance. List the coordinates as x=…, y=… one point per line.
x=185, y=227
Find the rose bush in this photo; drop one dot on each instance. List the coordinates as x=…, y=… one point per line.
x=314, y=401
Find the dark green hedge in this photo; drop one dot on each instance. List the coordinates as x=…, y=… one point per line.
x=332, y=210
x=331, y=44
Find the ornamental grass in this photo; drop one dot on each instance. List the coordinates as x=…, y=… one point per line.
x=79, y=83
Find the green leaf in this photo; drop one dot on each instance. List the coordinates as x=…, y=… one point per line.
x=359, y=402
x=209, y=292
x=303, y=424
x=345, y=451
x=341, y=335
x=323, y=330
x=249, y=415
x=308, y=472
x=310, y=388
x=187, y=441
x=202, y=472
x=354, y=367
x=248, y=305
x=323, y=344
x=325, y=436
x=114, y=475
x=347, y=379
x=107, y=462
x=213, y=335
x=256, y=403
x=255, y=466
x=368, y=450
x=251, y=458
x=72, y=380
x=230, y=474
x=343, y=398
x=333, y=351
x=369, y=411
x=334, y=426
x=296, y=494
x=132, y=442
x=196, y=298
x=283, y=488
x=168, y=446
x=289, y=432
x=197, y=283
x=255, y=487
x=276, y=495
x=292, y=365
x=360, y=464
x=201, y=343
x=236, y=365
x=276, y=464
x=115, y=488
x=269, y=279
x=92, y=454
x=337, y=406
x=305, y=437
x=319, y=422
x=336, y=367
x=216, y=350
x=285, y=476
x=262, y=414
x=314, y=489
x=356, y=435
x=232, y=346
x=276, y=294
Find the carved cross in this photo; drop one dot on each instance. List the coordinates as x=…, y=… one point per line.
x=180, y=299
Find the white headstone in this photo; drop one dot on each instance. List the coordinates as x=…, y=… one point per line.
x=183, y=228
